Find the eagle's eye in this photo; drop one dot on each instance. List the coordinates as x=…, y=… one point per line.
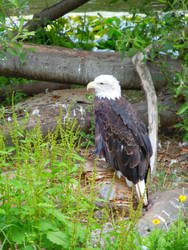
x=101, y=83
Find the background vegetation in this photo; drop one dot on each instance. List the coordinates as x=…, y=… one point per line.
x=166, y=32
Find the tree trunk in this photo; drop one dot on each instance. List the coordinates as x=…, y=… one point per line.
x=52, y=13
x=57, y=64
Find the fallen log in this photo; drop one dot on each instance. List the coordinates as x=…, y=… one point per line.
x=31, y=88
x=70, y=66
x=46, y=108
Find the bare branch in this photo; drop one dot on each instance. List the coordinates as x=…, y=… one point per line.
x=52, y=13
x=149, y=89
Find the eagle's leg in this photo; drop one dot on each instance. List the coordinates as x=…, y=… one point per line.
x=140, y=190
x=102, y=159
x=119, y=174
x=129, y=183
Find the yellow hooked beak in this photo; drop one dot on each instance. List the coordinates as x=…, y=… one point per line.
x=91, y=85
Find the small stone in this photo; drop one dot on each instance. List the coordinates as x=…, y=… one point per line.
x=107, y=192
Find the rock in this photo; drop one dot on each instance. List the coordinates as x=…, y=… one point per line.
x=165, y=206
x=107, y=192
x=96, y=235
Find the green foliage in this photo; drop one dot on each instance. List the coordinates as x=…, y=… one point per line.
x=82, y=32
x=169, y=5
x=88, y=138
x=12, y=29
x=39, y=185
x=180, y=89
x=158, y=30
x=42, y=200
x=42, y=203
x=174, y=238
x=18, y=95
x=12, y=33
x=120, y=34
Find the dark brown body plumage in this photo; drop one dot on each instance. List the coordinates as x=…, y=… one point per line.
x=122, y=138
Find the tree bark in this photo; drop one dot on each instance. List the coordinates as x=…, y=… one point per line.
x=52, y=13
x=32, y=88
x=57, y=64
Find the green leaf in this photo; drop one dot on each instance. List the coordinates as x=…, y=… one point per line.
x=27, y=248
x=97, y=27
x=45, y=205
x=4, y=152
x=22, y=57
x=17, y=45
x=186, y=56
x=2, y=211
x=79, y=158
x=31, y=49
x=14, y=2
x=46, y=226
x=182, y=109
x=23, y=3
x=2, y=54
x=62, y=218
x=59, y=238
x=18, y=235
x=12, y=51
x=131, y=52
x=178, y=125
x=21, y=24
x=10, y=149
x=110, y=33
x=185, y=137
x=17, y=183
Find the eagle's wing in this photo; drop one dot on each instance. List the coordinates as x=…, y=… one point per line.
x=124, y=140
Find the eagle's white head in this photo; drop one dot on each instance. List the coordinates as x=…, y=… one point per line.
x=106, y=86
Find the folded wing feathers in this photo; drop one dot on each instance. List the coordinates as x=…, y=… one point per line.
x=125, y=141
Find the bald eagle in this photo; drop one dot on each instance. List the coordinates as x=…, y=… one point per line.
x=120, y=135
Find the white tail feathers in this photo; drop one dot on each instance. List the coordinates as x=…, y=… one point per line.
x=141, y=190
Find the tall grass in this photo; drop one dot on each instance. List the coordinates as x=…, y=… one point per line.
x=42, y=202
x=39, y=187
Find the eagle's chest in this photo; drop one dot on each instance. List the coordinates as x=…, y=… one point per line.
x=108, y=120
x=104, y=111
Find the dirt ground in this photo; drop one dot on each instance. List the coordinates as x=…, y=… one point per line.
x=172, y=165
